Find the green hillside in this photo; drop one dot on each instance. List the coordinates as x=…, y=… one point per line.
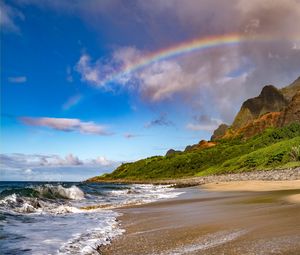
x=274, y=148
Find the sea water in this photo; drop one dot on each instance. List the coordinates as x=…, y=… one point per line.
x=66, y=218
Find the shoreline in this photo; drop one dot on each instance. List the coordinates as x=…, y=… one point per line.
x=207, y=221
x=213, y=210
x=259, y=175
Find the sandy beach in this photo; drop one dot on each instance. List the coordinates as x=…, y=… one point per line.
x=252, y=217
x=254, y=186
x=257, y=186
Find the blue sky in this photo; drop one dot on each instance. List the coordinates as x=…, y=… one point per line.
x=55, y=54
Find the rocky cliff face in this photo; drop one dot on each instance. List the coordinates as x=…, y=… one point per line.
x=203, y=144
x=172, y=152
x=270, y=100
x=291, y=90
x=292, y=112
x=272, y=108
x=219, y=132
x=256, y=126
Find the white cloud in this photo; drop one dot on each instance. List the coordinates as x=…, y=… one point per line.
x=159, y=80
x=163, y=79
x=17, y=79
x=89, y=73
x=37, y=167
x=29, y=162
x=73, y=160
x=67, y=125
x=28, y=171
x=8, y=18
x=296, y=46
x=157, y=23
x=94, y=73
x=190, y=76
x=103, y=161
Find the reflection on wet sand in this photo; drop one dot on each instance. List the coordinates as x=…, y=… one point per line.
x=213, y=222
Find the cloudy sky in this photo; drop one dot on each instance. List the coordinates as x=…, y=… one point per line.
x=66, y=115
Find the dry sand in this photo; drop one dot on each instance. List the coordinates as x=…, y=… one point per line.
x=256, y=186
x=203, y=221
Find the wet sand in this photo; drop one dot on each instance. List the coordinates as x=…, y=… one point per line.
x=209, y=222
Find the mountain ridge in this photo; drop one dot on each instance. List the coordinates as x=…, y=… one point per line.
x=264, y=135
x=272, y=108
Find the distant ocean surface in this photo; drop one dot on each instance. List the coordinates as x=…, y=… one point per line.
x=66, y=218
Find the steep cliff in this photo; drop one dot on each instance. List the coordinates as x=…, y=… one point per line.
x=219, y=132
x=291, y=90
x=272, y=108
x=292, y=112
x=270, y=100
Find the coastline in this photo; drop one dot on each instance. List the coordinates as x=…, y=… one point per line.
x=260, y=175
x=206, y=220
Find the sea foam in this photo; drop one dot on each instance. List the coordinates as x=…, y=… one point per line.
x=66, y=218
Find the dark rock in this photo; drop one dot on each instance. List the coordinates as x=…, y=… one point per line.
x=172, y=152
x=203, y=144
x=219, y=132
x=290, y=91
x=291, y=112
x=270, y=100
x=188, y=148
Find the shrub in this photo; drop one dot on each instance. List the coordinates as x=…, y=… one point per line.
x=275, y=158
x=295, y=153
x=272, y=148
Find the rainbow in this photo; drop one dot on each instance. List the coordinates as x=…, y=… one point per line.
x=200, y=44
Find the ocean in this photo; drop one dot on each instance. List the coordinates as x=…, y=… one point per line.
x=66, y=218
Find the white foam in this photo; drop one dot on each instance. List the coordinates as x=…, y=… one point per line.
x=71, y=193
x=26, y=208
x=207, y=242
x=9, y=199
x=15, y=204
x=70, y=229
x=149, y=193
x=119, y=192
x=89, y=242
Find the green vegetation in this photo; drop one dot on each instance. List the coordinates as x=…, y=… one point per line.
x=295, y=153
x=275, y=148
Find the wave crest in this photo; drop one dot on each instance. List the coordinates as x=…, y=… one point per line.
x=47, y=198
x=50, y=191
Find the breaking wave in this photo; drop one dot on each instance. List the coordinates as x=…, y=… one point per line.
x=47, y=191
x=67, y=218
x=45, y=198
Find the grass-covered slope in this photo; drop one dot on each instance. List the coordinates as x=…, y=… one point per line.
x=275, y=148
